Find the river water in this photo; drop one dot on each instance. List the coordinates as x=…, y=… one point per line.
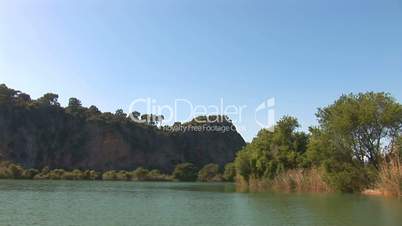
x=101, y=203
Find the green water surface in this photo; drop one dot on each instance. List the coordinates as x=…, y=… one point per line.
x=100, y=203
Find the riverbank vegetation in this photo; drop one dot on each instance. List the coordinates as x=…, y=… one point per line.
x=185, y=172
x=356, y=146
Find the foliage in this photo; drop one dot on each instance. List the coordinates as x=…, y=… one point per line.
x=122, y=175
x=109, y=175
x=273, y=152
x=185, y=172
x=230, y=172
x=354, y=135
x=209, y=172
x=74, y=107
x=151, y=119
x=13, y=171
x=49, y=99
x=363, y=125
x=140, y=174
x=156, y=175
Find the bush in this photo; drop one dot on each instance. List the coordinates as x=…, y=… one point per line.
x=30, y=173
x=93, y=175
x=56, y=174
x=185, y=172
x=13, y=171
x=16, y=171
x=209, y=172
x=155, y=175
x=45, y=170
x=123, y=175
x=109, y=175
x=242, y=164
x=230, y=172
x=140, y=174
x=4, y=171
x=77, y=174
x=349, y=177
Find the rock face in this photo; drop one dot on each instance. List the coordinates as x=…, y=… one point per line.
x=36, y=135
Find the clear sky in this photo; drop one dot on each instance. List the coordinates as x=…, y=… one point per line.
x=305, y=53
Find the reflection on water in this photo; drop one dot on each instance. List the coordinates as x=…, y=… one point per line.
x=150, y=203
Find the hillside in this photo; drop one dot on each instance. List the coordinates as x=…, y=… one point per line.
x=39, y=133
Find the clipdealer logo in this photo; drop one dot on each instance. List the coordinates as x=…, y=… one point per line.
x=157, y=114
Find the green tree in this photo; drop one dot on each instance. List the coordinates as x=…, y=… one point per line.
x=109, y=175
x=185, y=172
x=93, y=112
x=354, y=134
x=49, y=99
x=74, y=103
x=230, y=172
x=74, y=106
x=272, y=152
x=208, y=172
x=363, y=125
x=6, y=94
x=22, y=99
x=152, y=120
x=149, y=119
x=243, y=163
x=140, y=174
x=120, y=114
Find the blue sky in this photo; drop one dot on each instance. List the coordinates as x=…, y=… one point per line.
x=108, y=53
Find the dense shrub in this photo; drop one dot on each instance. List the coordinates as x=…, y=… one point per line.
x=109, y=175
x=123, y=175
x=230, y=172
x=349, y=177
x=156, y=175
x=209, y=172
x=185, y=172
x=93, y=175
x=140, y=174
x=30, y=173
x=57, y=174
x=273, y=152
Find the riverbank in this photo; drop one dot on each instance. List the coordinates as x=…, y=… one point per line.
x=293, y=181
x=182, y=172
x=389, y=182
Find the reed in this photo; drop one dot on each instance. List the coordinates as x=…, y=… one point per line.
x=298, y=180
x=390, y=176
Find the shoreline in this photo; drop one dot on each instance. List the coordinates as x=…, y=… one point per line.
x=240, y=187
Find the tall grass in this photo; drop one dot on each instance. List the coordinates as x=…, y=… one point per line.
x=298, y=180
x=390, y=176
x=310, y=180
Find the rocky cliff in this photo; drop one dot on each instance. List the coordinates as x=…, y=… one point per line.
x=38, y=133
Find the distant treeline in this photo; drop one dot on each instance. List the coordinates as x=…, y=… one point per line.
x=356, y=146
x=10, y=97
x=183, y=172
